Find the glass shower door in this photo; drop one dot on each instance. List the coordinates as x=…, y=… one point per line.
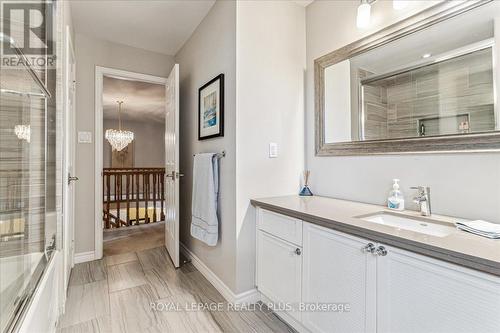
x=23, y=188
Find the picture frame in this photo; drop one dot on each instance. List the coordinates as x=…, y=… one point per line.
x=211, y=109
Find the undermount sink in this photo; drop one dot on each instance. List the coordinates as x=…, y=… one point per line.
x=409, y=223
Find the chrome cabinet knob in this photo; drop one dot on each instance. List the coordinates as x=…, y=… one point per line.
x=381, y=251
x=369, y=248
x=298, y=251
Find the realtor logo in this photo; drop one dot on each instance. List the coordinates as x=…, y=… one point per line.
x=29, y=24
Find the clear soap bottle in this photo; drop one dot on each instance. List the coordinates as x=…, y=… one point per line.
x=396, y=200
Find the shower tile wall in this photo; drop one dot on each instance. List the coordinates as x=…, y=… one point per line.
x=461, y=86
x=375, y=109
x=22, y=176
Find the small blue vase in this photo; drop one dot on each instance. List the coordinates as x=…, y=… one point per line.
x=305, y=192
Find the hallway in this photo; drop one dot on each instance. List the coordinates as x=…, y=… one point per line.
x=133, y=238
x=119, y=294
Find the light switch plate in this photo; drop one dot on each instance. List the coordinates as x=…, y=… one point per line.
x=273, y=150
x=84, y=137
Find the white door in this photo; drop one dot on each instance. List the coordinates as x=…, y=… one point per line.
x=338, y=273
x=69, y=160
x=279, y=271
x=172, y=165
x=420, y=294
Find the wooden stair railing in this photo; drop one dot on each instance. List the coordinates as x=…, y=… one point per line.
x=141, y=185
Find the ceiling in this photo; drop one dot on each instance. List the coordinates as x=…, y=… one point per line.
x=160, y=26
x=143, y=101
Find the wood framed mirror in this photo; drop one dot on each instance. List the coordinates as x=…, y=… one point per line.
x=426, y=84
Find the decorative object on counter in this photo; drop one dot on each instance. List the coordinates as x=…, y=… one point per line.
x=306, y=192
x=211, y=109
x=480, y=228
x=396, y=200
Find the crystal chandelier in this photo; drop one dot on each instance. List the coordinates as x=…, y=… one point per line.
x=119, y=139
x=23, y=132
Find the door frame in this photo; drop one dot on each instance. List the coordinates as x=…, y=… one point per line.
x=69, y=131
x=100, y=72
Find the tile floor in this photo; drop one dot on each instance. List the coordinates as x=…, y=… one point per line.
x=117, y=294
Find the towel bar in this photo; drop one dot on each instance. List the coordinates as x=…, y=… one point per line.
x=219, y=155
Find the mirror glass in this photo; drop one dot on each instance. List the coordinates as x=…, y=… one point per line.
x=434, y=82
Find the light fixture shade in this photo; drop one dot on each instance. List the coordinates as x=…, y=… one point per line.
x=363, y=18
x=119, y=139
x=400, y=4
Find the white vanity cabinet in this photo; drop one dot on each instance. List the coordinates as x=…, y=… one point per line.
x=338, y=272
x=279, y=260
x=380, y=288
x=417, y=294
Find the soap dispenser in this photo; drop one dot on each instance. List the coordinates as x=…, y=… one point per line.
x=396, y=200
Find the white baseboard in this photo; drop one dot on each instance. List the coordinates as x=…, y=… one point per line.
x=250, y=296
x=84, y=257
x=288, y=319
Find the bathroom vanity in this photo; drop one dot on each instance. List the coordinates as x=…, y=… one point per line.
x=356, y=267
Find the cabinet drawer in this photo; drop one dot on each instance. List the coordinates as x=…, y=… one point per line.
x=282, y=226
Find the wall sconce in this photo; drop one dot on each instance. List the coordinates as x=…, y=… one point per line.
x=364, y=13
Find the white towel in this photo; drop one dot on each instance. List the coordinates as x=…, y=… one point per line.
x=481, y=228
x=204, y=222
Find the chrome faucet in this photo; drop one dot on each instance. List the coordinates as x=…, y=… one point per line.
x=423, y=199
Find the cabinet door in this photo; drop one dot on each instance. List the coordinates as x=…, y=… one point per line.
x=337, y=271
x=279, y=267
x=419, y=294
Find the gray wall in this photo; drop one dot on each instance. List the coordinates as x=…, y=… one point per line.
x=211, y=50
x=466, y=185
x=270, y=103
x=149, y=143
x=91, y=52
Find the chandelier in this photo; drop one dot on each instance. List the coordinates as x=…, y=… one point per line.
x=119, y=139
x=23, y=132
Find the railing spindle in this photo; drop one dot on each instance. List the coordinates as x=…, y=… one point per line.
x=108, y=200
x=118, y=198
x=127, y=198
x=137, y=199
x=154, y=197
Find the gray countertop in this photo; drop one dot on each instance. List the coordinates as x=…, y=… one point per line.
x=457, y=247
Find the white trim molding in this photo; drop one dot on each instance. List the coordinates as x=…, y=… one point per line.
x=248, y=297
x=84, y=257
x=100, y=72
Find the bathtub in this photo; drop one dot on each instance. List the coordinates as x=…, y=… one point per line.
x=15, y=274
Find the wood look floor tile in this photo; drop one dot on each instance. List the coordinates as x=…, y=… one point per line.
x=132, y=311
x=120, y=258
x=88, y=272
x=124, y=276
x=192, y=320
x=134, y=238
x=135, y=281
x=86, y=302
x=95, y=325
x=156, y=258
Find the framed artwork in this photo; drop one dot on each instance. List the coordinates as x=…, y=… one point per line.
x=211, y=109
x=123, y=158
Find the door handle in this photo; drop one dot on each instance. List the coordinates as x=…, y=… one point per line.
x=174, y=175
x=71, y=178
